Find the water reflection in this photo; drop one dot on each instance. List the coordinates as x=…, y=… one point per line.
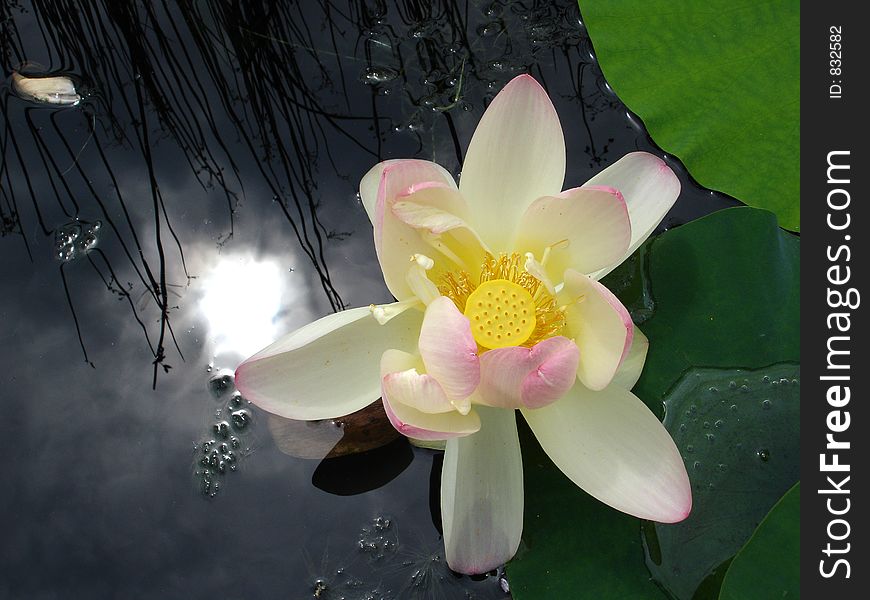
x=241, y=299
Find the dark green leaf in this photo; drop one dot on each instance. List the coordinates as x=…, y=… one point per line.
x=768, y=566
x=737, y=431
x=726, y=294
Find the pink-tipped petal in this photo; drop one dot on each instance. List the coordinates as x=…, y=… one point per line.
x=418, y=425
x=409, y=396
x=631, y=368
x=417, y=391
x=517, y=377
x=517, y=154
x=448, y=349
x=482, y=494
x=368, y=187
x=438, y=212
x=396, y=242
x=289, y=377
x=612, y=446
x=588, y=228
x=435, y=207
x=650, y=189
x=600, y=326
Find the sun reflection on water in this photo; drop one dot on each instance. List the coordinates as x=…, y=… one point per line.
x=241, y=300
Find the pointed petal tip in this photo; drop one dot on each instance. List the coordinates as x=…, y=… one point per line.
x=479, y=566
x=682, y=506
x=679, y=512
x=526, y=84
x=664, y=170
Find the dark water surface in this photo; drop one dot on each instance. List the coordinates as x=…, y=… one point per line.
x=198, y=203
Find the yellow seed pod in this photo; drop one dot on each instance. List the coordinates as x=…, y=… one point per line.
x=502, y=314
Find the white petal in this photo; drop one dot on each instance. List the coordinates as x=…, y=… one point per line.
x=650, y=189
x=402, y=382
x=482, y=494
x=395, y=241
x=600, y=326
x=438, y=214
x=432, y=206
x=517, y=154
x=371, y=181
x=406, y=412
x=328, y=368
x=612, y=446
x=588, y=229
x=631, y=368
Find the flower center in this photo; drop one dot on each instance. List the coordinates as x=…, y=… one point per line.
x=502, y=314
x=507, y=305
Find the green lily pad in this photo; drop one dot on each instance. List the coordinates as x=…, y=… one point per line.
x=726, y=294
x=720, y=292
x=717, y=84
x=737, y=431
x=768, y=566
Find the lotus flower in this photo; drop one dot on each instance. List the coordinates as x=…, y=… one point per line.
x=498, y=308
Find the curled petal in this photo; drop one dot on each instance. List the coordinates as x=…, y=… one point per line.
x=416, y=424
x=517, y=154
x=449, y=350
x=612, y=446
x=371, y=181
x=517, y=377
x=600, y=325
x=395, y=241
x=417, y=391
x=650, y=189
x=587, y=228
x=436, y=207
x=290, y=377
x=482, y=494
x=439, y=215
x=630, y=369
x=415, y=404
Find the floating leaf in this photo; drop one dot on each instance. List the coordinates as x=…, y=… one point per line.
x=737, y=430
x=768, y=566
x=726, y=103
x=726, y=294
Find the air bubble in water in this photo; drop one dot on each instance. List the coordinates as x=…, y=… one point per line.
x=374, y=75
x=222, y=429
x=75, y=239
x=236, y=401
x=241, y=419
x=220, y=382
